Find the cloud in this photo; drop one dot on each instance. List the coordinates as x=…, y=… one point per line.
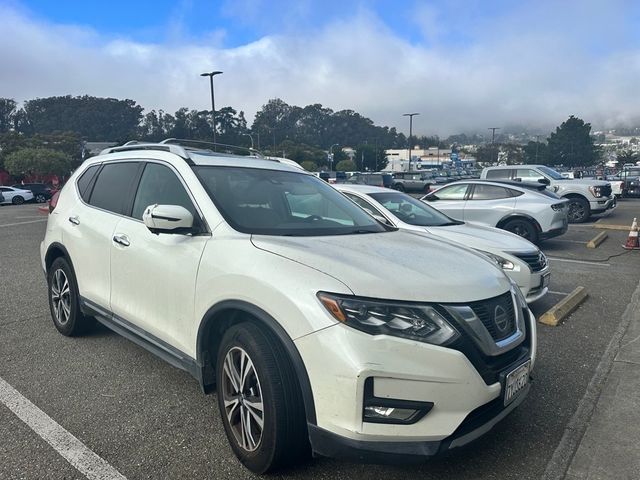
x=529, y=65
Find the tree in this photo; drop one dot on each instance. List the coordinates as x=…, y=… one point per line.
x=571, y=144
x=309, y=166
x=37, y=161
x=346, y=166
x=536, y=153
x=95, y=119
x=7, y=114
x=488, y=153
x=626, y=156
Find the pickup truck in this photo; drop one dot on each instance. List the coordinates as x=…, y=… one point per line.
x=586, y=197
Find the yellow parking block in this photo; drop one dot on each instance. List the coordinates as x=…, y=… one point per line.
x=564, y=307
x=597, y=240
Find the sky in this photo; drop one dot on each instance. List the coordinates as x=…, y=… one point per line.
x=464, y=65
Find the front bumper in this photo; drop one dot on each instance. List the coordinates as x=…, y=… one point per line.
x=475, y=425
x=465, y=391
x=603, y=205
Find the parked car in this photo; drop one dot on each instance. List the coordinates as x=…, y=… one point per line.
x=412, y=181
x=321, y=328
x=377, y=179
x=526, y=210
x=617, y=185
x=586, y=197
x=17, y=196
x=1, y=197
x=519, y=258
x=630, y=176
x=41, y=192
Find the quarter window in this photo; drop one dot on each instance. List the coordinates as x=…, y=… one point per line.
x=112, y=189
x=85, y=180
x=159, y=185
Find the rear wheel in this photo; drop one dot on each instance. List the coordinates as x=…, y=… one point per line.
x=17, y=200
x=40, y=198
x=64, y=301
x=259, y=399
x=399, y=187
x=579, y=210
x=523, y=228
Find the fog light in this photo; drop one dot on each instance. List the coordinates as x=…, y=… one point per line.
x=391, y=410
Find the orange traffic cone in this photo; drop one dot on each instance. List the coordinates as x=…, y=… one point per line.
x=632, y=240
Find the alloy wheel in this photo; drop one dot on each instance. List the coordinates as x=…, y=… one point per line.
x=576, y=211
x=61, y=296
x=242, y=396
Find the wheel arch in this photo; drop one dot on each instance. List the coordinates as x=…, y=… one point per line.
x=229, y=312
x=56, y=250
x=519, y=216
x=575, y=195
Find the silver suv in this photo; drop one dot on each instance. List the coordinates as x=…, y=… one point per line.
x=586, y=197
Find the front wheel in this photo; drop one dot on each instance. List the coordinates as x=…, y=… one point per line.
x=259, y=399
x=40, y=198
x=522, y=228
x=399, y=187
x=579, y=211
x=64, y=300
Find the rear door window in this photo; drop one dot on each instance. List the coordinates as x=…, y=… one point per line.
x=112, y=190
x=489, y=192
x=499, y=173
x=528, y=175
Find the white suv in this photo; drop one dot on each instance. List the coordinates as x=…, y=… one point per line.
x=323, y=329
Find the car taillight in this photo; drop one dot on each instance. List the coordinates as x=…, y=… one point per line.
x=54, y=201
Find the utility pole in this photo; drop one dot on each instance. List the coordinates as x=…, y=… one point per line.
x=213, y=103
x=493, y=133
x=410, y=115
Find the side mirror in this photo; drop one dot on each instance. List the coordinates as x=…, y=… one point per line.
x=544, y=181
x=168, y=219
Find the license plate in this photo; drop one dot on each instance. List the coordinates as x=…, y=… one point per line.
x=515, y=382
x=545, y=280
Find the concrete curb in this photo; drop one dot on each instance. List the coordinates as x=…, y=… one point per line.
x=597, y=240
x=564, y=307
x=563, y=456
x=611, y=226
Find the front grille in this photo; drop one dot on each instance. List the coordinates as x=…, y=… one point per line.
x=536, y=261
x=497, y=315
x=606, y=190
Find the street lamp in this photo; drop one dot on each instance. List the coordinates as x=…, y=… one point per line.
x=331, y=155
x=213, y=103
x=410, y=115
x=249, y=135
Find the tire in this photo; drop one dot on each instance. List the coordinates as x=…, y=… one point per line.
x=399, y=187
x=40, y=198
x=523, y=228
x=579, y=210
x=64, y=301
x=427, y=188
x=270, y=381
x=17, y=200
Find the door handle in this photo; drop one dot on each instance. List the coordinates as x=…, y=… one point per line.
x=121, y=239
x=75, y=220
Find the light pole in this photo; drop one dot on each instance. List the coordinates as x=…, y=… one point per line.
x=249, y=135
x=213, y=103
x=331, y=155
x=410, y=115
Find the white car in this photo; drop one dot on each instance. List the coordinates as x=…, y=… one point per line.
x=527, y=210
x=321, y=328
x=519, y=258
x=17, y=196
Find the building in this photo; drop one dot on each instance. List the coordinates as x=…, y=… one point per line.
x=421, y=159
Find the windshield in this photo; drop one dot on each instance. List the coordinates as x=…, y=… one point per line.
x=272, y=202
x=551, y=173
x=412, y=211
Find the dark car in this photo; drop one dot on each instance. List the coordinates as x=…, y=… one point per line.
x=412, y=181
x=375, y=179
x=41, y=192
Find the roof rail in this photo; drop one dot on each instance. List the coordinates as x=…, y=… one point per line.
x=135, y=145
x=212, y=146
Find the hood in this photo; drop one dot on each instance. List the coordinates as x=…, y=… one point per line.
x=395, y=265
x=483, y=238
x=582, y=181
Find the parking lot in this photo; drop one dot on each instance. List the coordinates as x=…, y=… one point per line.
x=147, y=419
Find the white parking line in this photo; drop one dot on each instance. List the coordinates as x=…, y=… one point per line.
x=23, y=223
x=583, y=262
x=557, y=240
x=69, y=447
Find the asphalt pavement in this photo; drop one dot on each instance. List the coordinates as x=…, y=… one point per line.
x=147, y=419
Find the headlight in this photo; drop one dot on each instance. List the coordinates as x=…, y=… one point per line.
x=596, y=191
x=501, y=261
x=407, y=320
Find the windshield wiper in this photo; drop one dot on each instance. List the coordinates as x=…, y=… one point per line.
x=449, y=224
